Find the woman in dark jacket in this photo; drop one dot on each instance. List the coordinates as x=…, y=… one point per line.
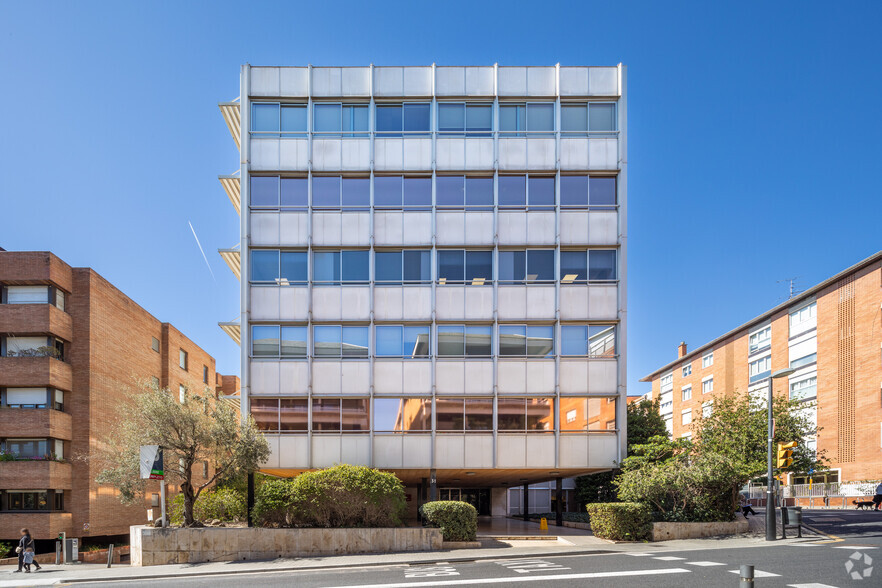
x=24, y=544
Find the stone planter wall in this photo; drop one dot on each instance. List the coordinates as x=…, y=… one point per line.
x=154, y=546
x=670, y=531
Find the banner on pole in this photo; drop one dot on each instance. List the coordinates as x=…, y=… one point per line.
x=151, y=462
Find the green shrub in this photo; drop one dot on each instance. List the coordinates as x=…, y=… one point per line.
x=457, y=520
x=272, y=503
x=341, y=496
x=620, y=521
x=222, y=504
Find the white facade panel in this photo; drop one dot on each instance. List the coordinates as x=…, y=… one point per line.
x=265, y=154
x=511, y=377
x=293, y=82
x=326, y=450
x=457, y=227
x=574, y=153
x=540, y=302
x=573, y=450
x=478, y=303
x=341, y=228
x=478, y=451
x=511, y=81
x=410, y=154
x=397, y=228
x=541, y=228
x=449, y=451
x=402, y=81
x=603, y=450
x=389, y=451
x=393, y=303
x=541, y=153
x=512, y=153
x=356, y=303
x=293, y=377
x=265, y=81
x=265, y=377
x=540, y=376
x=293, y=451
x=265, y=229
x=603, y=154
x=573, y=376
x=273, y=460
x=464, y=153
x=340, y=81
x=265, y=302
x=449, y=377
x=293, y=155
x=603, y=227
x=402, y=377
x=293, y=229
x=603, y=81
x=602, y=302
x=573, y=302
x=464, y=81
x=540, y=451
x=478, y=377
x=573, y=81
x=602, y=376
x=349, y=154
x=511, y=451
x=464, y=302
x=355, y=450
x=334, y=303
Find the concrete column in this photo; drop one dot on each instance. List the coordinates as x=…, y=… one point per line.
x=526, y=512
x=558, y=507
x=250, y=497
x=433, y=486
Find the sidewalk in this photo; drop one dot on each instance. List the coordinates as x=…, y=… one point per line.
x=491, y=549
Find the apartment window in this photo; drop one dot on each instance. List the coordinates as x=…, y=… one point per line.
x=760, y=368
x=593, y=265
x=341, y=342
x=667, y=381
x=465, y=119
x=334, y=415
x=340, y=120
x=707, y=360
x=590, y=340
x=31, y=346
x=204, y=470
x=407, y=119
x=687, y=393
x=687, y=370
x=275, y=193
x=205, y=374
x=804, y=390
x=459, y=415
x=471, y=192
x=686, y=417
x=463, y=341
x=526, y=340
x=56, y=397
x=336, y=192
x=275, y=341
x=535, y=119
x=525, y=414
x=595, y=192
x=409, y=266
x=280, y=414
x=58, y=501
x=154, y=345
x=526, y=266
x=804, y=360
x=410, y=192
x=707, y=386
x=182, y=393
x=707, y=409
x=333, y=268
x=27, y=500
x=526, y=191
x=402, y=341
x=24, y=449
x=183, y=359
x=278, y=120
x=587, y=414
x=458, y=266
x=281, y=268
x=26, y=294
x=582, y=119
x=759, y=339
x=804, y=314
x=402, y=415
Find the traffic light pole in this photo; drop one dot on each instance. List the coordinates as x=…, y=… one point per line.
x=771, y=514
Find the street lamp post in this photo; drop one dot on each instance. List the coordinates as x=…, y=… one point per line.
x=771, y=514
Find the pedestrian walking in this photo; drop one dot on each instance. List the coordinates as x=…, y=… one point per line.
x=877, y=499
x=745, y=506
x=25, y=551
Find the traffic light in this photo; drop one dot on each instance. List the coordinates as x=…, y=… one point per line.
x=785, y=453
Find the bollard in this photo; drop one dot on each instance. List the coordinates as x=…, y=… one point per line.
x=746, y=574
x=58, y=553
x=109, y=555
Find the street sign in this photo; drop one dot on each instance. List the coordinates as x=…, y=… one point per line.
x=151, y=462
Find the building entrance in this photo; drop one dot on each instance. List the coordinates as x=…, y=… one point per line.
x=477, y=497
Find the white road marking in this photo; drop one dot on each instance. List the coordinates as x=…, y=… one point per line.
x=460, y=582
x=758, y=574
x=668, y=558
x=854, y=547
x=526, y=566
x=640, y=554
x=430, y=571
x=704, y=564
x=810, y=586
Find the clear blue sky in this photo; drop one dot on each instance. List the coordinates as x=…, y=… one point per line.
x=754, y=138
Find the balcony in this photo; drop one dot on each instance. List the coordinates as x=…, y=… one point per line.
x=41, y=524
x=35, y=474
x=35, y=372
x=35, y=318
x=35, y=422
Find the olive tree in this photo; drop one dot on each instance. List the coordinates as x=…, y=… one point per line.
x=199, y=428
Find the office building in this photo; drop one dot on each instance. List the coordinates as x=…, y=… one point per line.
x=433, y=270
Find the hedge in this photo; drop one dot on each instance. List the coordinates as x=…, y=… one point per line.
x=340, y=496
x=620, y=521
x=457, y=520
x=222, y=504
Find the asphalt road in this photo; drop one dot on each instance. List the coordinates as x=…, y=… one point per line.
x=855, y=537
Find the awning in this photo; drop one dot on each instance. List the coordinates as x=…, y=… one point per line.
x=230, y=112
x=231, y=256
x=231, y=329
x=231, y=187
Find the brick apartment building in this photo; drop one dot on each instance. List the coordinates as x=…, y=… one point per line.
x=70, y=345
x=832, y=334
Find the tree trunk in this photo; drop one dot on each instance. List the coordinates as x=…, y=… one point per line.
x=189, y=499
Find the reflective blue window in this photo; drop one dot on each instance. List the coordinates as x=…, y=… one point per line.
x=356, y=193
x=475, y=193
x=512, y=191
x=523, y=340
x=471, y=267
x=533, y=265
x=416, y=118
x=293, y=342
x=327, y=340
x=388, y=341
x=602, y=264
x=265, y=265
x=458, y=118
x=540, y=265
x=410, y=117
x=265, y=191
x=293, y=120
x=387, y=267
x=395, y=267
x=265, y=341
x=355, y=267
x=536, y=118
x=596, y=192
x=574, y=191
x=460, y=340
x=593, y=340
x=265, y=119
x=340, y=120
x=293, y=268
x=573, y=267
x=402, y=341
x=573, y=340
x=540, y=192
x=601, y=117
x=512, y=266
x=326, y=192
x=388, y=191
x=574, y=119
x=294, y=192
x=389, y=120
x=417, y=266
x=326, y=267
x=326, y=118
x=602, y=192
x=513, y=119
x=417, y=192
x=355, y=341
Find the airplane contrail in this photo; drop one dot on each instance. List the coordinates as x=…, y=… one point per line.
x=201, y=250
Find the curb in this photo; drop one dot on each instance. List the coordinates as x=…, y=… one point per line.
x=440, y=558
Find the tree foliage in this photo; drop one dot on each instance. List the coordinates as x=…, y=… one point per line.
x=190, y=432
x=644, y=422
